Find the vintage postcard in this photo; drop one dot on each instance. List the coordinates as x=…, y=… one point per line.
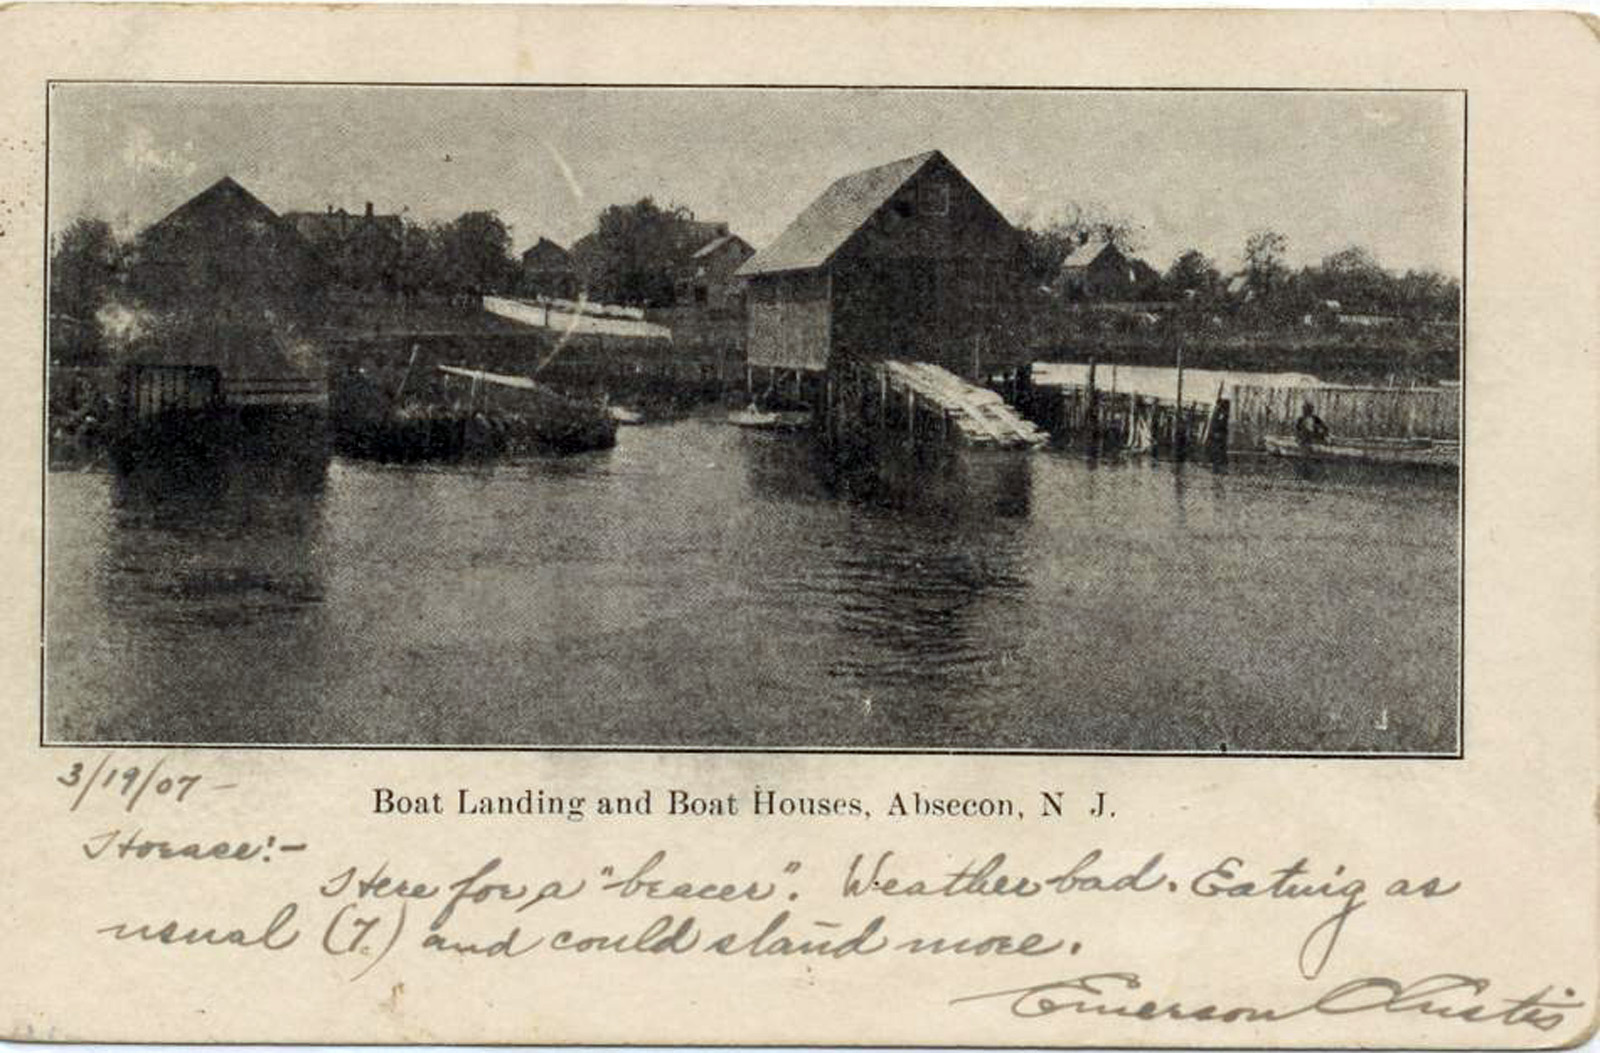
x=800, y=527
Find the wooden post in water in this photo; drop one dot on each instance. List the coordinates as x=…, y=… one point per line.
x=1217, y=429
x=1091, y=419
x=829, y=393
x=412, y=361
x=1179, y=422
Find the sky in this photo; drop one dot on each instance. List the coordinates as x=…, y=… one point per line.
x=1192, y=169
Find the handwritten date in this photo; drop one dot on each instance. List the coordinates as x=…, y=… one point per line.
x=130, y=784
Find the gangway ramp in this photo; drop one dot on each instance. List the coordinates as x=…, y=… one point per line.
x=979, y=417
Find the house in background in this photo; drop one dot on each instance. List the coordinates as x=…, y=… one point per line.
x=689, y=234
x=547, y=270
x=907, y=260
x=363, y=251
x=666, y=266
x=1098, y=270
x=706, y=279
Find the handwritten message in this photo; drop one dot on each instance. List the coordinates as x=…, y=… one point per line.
x=886, y=903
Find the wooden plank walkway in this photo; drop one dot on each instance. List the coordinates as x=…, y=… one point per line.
x=979, y=416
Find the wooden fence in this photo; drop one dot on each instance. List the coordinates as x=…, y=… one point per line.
x=149, y=391
x=1348, y=412
x=1107, y=420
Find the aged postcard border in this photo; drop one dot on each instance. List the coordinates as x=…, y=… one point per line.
x=645, y=749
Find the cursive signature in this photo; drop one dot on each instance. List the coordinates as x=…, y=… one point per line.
x=1447, y=996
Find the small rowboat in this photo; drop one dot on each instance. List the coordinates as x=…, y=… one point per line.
x=1419, y=453
x=624, y=415
x=770, y=420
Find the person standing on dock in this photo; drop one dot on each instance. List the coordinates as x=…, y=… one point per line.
x=1309, y=428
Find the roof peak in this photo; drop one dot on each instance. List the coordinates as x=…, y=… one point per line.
x=228, y=186
x=912, y=162
x=1090, y=249
x=836, y=214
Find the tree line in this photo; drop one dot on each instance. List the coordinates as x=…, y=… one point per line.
x=1267, y=289
x=629, y=258
x=632, y=254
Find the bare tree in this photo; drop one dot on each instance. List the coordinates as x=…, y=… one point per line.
x=1264, y=251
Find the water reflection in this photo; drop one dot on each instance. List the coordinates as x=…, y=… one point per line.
x=922, y=609
x=225, y=541
x=919, y=576
x=702, y=585
x=979, y=485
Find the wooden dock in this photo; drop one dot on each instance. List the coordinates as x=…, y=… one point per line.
x=977, y=416
x=893, y=403
x=965, y=413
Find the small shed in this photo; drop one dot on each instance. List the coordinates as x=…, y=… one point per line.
x=907, y=260
x=191, y=363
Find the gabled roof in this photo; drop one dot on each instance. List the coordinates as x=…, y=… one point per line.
x=829, y=221
x=548, y=249
x=224, y=193
x=690, y=234
x=1086, y=253
x=1142, y=271
x=715, y=244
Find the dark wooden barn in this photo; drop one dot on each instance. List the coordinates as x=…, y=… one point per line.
x=223, y=250
x=225, y=292
x=907, y=260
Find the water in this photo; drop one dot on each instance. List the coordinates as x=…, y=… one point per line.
x=700, y=585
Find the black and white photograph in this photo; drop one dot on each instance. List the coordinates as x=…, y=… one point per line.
x=834, y=419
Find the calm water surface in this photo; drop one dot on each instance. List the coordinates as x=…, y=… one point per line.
x=702, y=586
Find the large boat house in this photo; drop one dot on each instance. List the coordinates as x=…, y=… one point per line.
x=907, y=260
